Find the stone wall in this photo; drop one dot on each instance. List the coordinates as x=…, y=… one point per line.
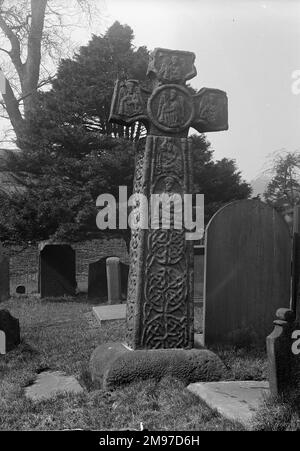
x=24, y=262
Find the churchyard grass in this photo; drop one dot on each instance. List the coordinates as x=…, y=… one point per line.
x=60, y=335
x=279, y=414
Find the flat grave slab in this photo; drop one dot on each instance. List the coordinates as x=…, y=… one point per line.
x=110, y=312
x=235, y=400
x=52, y=383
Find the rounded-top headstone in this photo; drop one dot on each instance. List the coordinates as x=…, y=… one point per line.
x=248, y=270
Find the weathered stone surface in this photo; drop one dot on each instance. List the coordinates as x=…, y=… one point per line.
x=198, y=274
x=11, y=328
x=113, y=365
x=52, y=383
x=110, y=312
x=113, y=271
x=248, y=271
x=2, y=343
x=57, y=272
x=283, y=349
x=4, y=276
x=160, y=286
x=102, y=358
x=235, y=400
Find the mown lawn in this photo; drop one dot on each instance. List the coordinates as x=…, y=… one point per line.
x=61, y=336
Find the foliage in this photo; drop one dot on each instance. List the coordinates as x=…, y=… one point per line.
x=72, y=154
x=283, y=191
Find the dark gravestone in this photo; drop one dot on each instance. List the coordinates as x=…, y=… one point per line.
x=4, y=277
x=283, y=344
x=124, y=278
x=283, y=348
x=57, y=271
x=11, y=328
x=97, y=280
x=248, y=255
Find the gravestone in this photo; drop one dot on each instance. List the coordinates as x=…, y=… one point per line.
x=97, y=280
x=4, y=276
x=2, y=343
x=247, y=263
x=124, y=278
x=160, y=286
x=57, y=270
x=11, y=329
x=283, y=344
x=113, y=273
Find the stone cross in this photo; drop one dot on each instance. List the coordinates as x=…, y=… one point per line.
x=160, y=286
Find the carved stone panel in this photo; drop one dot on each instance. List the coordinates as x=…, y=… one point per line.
x=211, y=110
x=160, y=293
x=171, y=109
x=129, y=103
x=172, y=66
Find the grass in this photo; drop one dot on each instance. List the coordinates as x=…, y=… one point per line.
x=279, y=414
x=61, y=335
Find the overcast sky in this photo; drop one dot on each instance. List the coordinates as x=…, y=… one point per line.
x=248, y=48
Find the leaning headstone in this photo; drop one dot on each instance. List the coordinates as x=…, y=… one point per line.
x=57, y=270
x=248, y=270
x=113, y=271
x=97, y=281
x=11, y=328
x=4, y=276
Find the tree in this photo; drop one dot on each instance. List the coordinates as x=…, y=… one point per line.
x=72, y=154
x=283, y=191
x=29, y=31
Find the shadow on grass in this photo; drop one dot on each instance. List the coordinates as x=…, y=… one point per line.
x=243, y=363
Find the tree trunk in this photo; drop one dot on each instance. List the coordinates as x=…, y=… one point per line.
x=32, y=66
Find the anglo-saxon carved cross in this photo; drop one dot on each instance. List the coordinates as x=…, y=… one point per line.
x=160, y=287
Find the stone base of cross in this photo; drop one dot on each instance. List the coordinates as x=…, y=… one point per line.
x=160, y=288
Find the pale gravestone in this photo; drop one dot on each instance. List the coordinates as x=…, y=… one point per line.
x=160, y=286
x=10, y=327
x=113, y=272
x=248, y=270
x=4, y=276
x=57, y=270
x=2, y=343
x=97, y=281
